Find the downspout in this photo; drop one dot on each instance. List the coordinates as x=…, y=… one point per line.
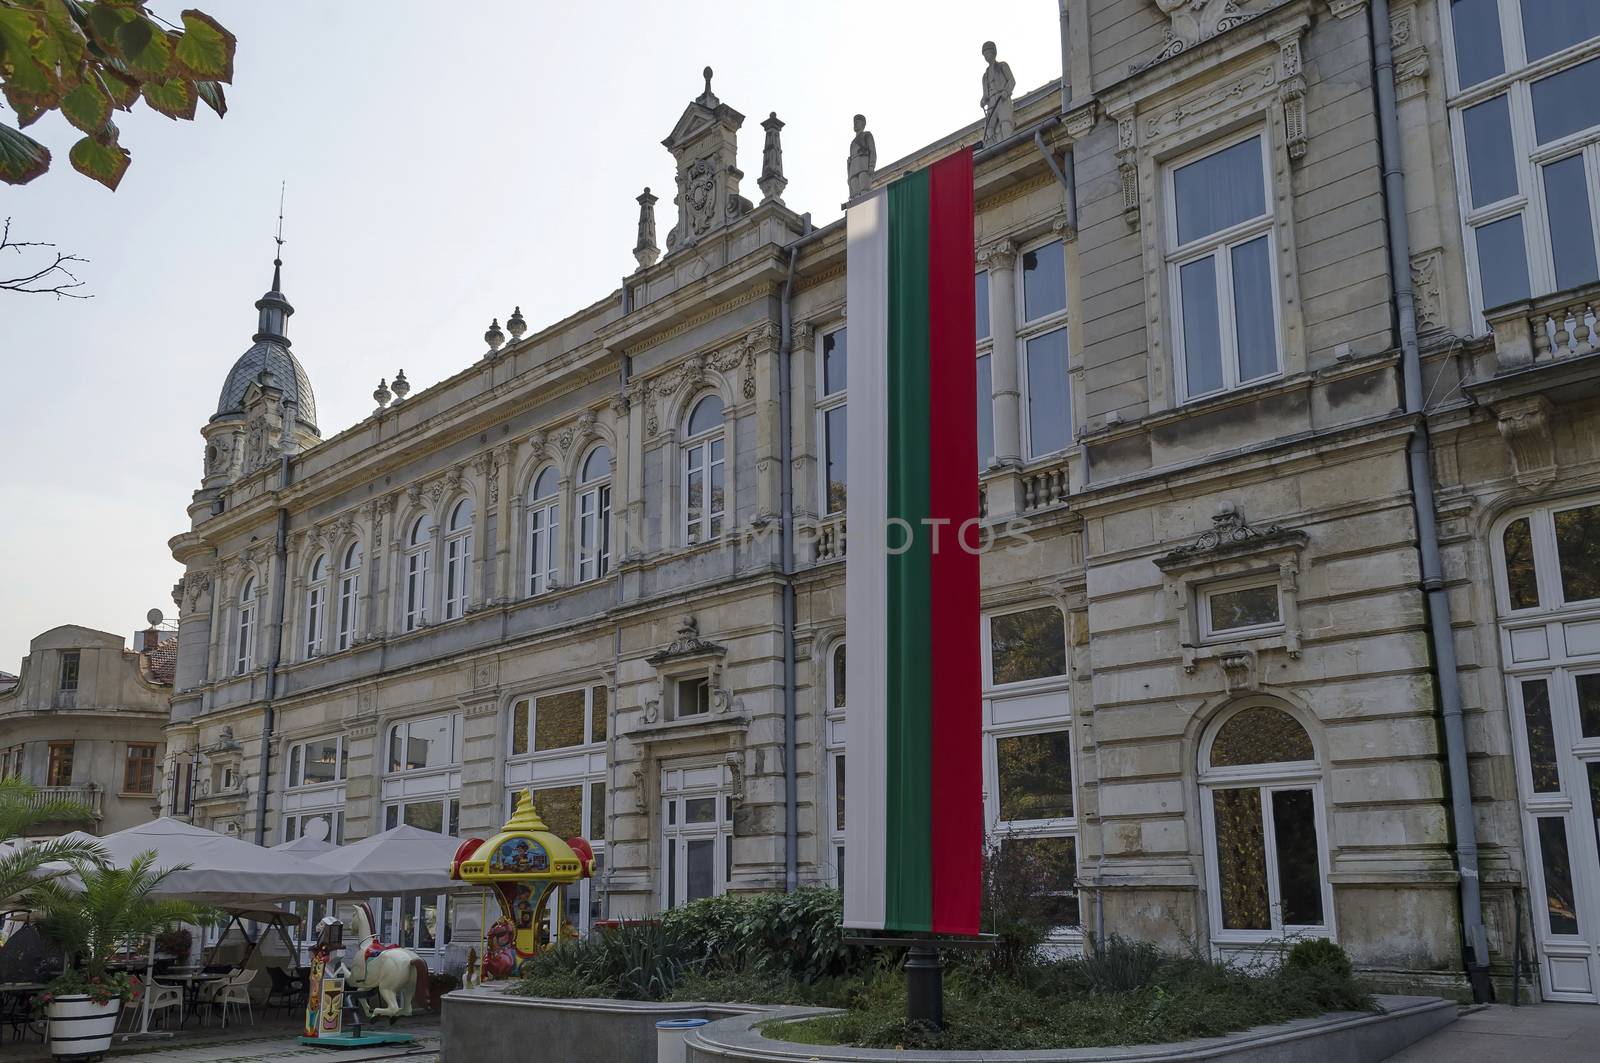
x=1422, y=501
x=279, y=589
x=791, y=800
x=611, y=759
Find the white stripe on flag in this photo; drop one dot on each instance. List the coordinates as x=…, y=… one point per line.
x=867, y=571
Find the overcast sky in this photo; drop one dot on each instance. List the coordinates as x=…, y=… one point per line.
x=444, y=162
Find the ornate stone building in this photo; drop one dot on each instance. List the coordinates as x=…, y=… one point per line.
x=84, y=722
x=1286, y=342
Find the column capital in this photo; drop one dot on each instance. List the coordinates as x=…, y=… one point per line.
x=1002, y=254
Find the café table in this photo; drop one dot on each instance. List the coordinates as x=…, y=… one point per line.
x=15, y=1006
x=191, y=982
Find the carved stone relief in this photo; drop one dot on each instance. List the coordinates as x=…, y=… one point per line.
x=1194, y=21
x=1428, y=289
x=1525, y=426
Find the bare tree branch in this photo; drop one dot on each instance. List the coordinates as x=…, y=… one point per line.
x=55, y=279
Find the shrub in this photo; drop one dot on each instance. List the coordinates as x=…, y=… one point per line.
x=800, y=934
x=633, y=961
x=1118, y=965
x=1016, y=905
x=1320, y=953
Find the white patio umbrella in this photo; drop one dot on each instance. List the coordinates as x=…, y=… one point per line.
x=305, y=845
x=403, y=860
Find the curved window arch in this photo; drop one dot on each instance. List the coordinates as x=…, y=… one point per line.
x=316, y=604
x=594, y=514
x=703, y=473
x=1549, y=558
x=1265, y=843
x=244, y=640
x=458, y=559
x=835, y=728
x=418, y=559
x=349, y=596
x=544, y=517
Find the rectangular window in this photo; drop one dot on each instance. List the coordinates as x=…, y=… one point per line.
x=1043, y=351
x=69, y=670
x=58, y=771
x=1479, y=55
x=1540, y=735
x=1221, y=269
x=429, y=742
x=1561, y=906
x=981, y=293
x=1578, y=552
x=1044, y=281
x=1241, y=859
x=561, y=808
x=349, y=592
x=597, y=812
x=1551, y=25
x=1294, y=835
x=1049, y=401
x=1026, y=645
x=1566, y=198
x=139, y=770
x=1588, y=690
x=1034, y=773
x=558, y=720
x=693, y=696
x=985, y=412
x=1233, y=610
x=833, y=431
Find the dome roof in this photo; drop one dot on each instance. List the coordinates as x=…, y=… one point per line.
x=287, y=373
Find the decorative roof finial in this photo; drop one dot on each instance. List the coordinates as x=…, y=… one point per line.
x=401, y=386
x=516, y=325
x=277, y=259
x=272, y=323
x=494, y=337
x=382, y=395
x=707, y=73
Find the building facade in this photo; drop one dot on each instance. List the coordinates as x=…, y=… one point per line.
x=85, y=722
x=1286, y=356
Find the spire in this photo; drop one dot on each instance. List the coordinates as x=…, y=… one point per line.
x=272, y=324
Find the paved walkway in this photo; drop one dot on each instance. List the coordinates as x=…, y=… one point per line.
x=267, y=1042
x=1533, y=1033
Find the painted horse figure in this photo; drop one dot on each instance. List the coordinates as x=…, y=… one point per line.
x=396, y=974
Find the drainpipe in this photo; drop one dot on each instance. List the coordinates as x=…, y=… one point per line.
x=279, y=589
x=1422, y=501
x=611, y=760
x=791, y=800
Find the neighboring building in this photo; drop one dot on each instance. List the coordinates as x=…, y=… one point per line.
x=85, y=721
x=1210, y=693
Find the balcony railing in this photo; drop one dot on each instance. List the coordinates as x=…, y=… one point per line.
x=1045, y=487
x=88, y=795
x=1551, y=328
x=830, y=540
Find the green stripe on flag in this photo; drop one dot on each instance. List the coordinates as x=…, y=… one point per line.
x=909, y=868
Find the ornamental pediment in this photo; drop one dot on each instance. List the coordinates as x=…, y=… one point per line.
x=1231, y=536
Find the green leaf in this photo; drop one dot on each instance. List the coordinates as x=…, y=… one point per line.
x=123, y=88
x=101, y=158
x=21, y=157
x=103, y=21
x=174, y=97
x=211, y=95
x=144, y=46
x=206, y=49
x=20, y=70
x=86, y=107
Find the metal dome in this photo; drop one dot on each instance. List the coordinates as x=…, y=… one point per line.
x=287, y=374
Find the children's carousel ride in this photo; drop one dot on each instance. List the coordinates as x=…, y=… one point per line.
x=525, y=866
x=341, y=996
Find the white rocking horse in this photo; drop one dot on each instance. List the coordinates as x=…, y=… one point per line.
x=396, y=974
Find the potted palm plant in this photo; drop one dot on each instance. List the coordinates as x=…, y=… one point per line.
x=22, y=812
x=116, y=907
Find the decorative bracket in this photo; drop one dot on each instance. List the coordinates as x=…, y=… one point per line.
x=1292, y=94
x=1525, y=427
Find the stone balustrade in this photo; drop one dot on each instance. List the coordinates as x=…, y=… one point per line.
x=830, y=544
x=1550, y=328
x=88, y=795
x=1045, y=486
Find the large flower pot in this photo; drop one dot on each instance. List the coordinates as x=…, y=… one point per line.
x=80, y=1028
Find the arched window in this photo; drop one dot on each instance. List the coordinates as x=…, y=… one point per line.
x=419, y=550
x=458, y=560
x=594, y=515
x=316, y=605
x=1263, y=826
x=544, y=517
x=349, y=596
x=835, y=725
x=244, y=644
x=702, y=471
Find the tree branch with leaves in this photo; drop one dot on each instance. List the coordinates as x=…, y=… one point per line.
x=86, y=58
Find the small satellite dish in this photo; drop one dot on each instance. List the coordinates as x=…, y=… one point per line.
x=317, y=828
x=154, y=617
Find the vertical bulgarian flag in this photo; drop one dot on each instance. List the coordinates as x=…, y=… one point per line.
x=914, y=821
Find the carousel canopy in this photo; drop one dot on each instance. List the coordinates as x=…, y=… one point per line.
x=403, y=860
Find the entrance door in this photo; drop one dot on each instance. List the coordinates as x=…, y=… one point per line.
x=696, y=833
x=1549, y=589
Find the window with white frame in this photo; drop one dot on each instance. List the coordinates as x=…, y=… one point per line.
x=326, y=824
x=594, y=515
x=426, y=743
x=349, y=596
x=1525, y=75
x=834, y=722
x=316, y=605
x=418, y=559
x=985, y=348
x=245, y=629
x=316, y=762
x=691, y=696
x=1240, y=608
x=697, y=834
x=1042, y=342
x=1220, y=268
x=833, y=362
x=1549, y=558
x=704, y=498
x=458, y=560
x=1028, y=771
x=1263, y=823
x=544, y=518
x=442, y=815
x=558, y=721
x=422, y=924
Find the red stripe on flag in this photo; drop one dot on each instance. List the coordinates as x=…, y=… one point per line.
x=957, y=708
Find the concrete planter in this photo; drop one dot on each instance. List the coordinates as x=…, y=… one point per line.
x=484, y=1023
x=1342, y=1037
x=80, y=1028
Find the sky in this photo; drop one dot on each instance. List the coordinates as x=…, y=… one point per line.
x=444, y=163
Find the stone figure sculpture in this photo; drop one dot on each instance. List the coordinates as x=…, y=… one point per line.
x=863, y=158
x=999, y=116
